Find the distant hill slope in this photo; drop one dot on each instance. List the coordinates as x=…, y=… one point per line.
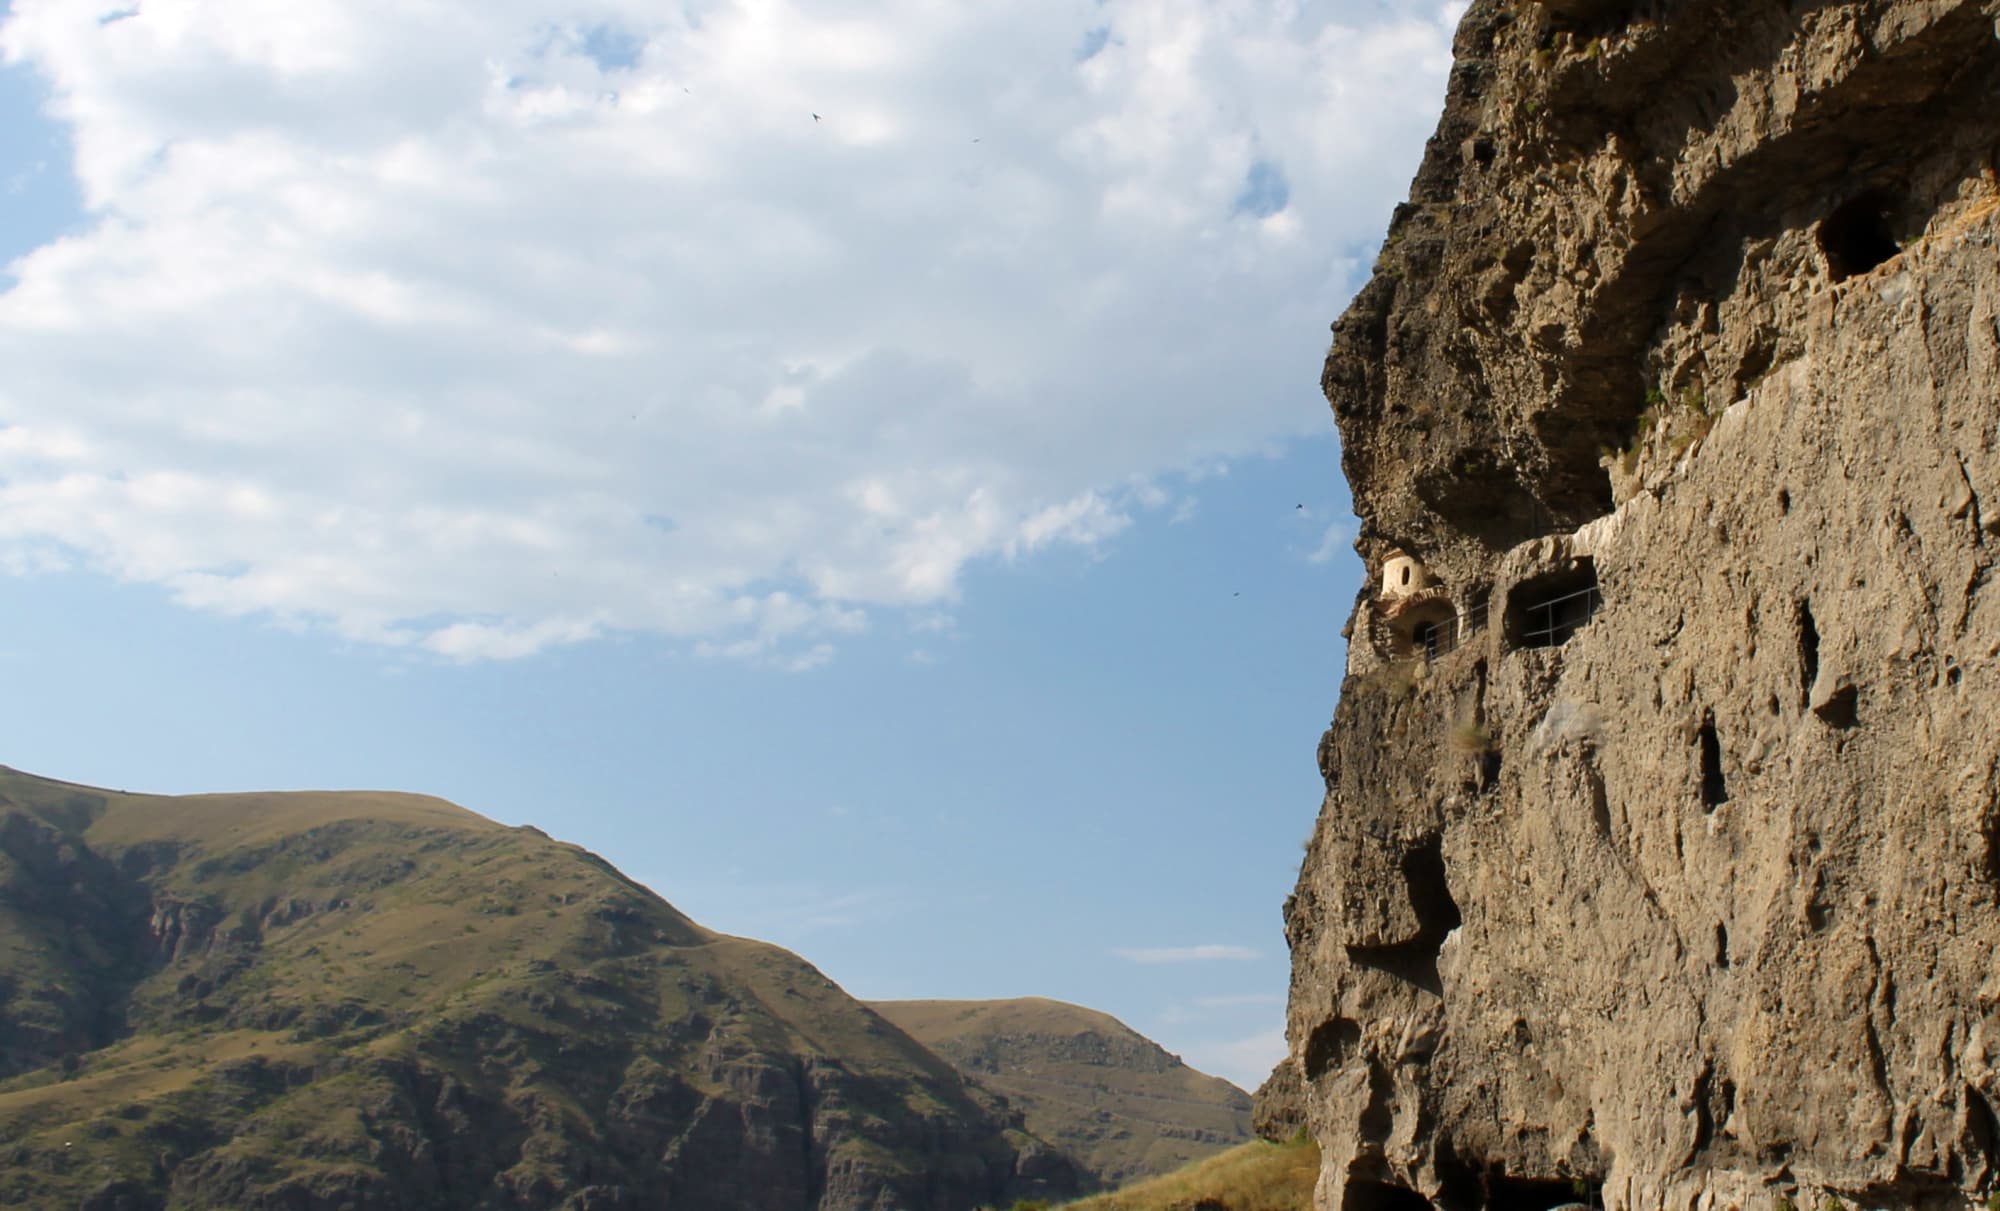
x=311, y=1001
x=1084, y=1081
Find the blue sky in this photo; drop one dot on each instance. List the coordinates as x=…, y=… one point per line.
x=910, y=535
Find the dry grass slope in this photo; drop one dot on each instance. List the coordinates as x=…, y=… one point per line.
x=1258, y=1176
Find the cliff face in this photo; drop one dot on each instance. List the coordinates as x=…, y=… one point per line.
x=1660, y=858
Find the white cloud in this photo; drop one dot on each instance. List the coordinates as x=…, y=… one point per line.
x=481, y=641
x=1084, y=521
x=483, y=326
x=1332, y=542
x=1188, y=954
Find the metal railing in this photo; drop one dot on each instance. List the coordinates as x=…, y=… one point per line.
x=1431, y=640
x=1549, y=624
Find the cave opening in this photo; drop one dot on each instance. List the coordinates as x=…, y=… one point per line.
x=1329, y=1045
x=1416, y=960
x=1857, y=236
x=1368, y=1194
x=1842, y=709
x=1378, y=1119
x=1423, y=630
x=1430, y=893
x=1505, y=1193
x=1546, y=611
x=1981, y=1127
x=1714, y=790
x=1459, y=1187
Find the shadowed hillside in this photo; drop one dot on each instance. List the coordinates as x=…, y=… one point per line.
x=318, y=1000
x=1084, y=1081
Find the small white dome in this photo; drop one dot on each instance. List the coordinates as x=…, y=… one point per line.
x=1404, y=574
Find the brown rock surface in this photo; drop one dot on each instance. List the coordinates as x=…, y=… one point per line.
x=1692, y=901
x=1278, y=1111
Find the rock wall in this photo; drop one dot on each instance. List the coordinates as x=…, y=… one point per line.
x=1660, y=859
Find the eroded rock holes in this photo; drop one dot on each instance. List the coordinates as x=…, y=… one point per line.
x=1842, y=708
x=1857, y=236
x=1415, y=961
x=1714, y=790
x=1504, y=1193
x=1329, y=1045
x=1989, y=829
x=1366, y=1194
x=1982, y=1129
x=1808, y=652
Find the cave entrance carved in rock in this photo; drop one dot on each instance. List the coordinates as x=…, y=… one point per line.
x=1546, y=611
x=1857, y=237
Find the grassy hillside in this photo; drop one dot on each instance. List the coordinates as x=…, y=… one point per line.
x=315, y=999
x=1084, y=1081
x=1257, y=1176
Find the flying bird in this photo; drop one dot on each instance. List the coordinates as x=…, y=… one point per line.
x=815, y=117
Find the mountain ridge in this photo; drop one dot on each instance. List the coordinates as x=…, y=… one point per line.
x=1086, y=1082
x=315, y=999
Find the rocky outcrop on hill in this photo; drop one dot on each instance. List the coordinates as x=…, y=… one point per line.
x=74, y=939
x=1103, y=1093
x=1660, y=858
x=1278, y=1110
x=323, y=1001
